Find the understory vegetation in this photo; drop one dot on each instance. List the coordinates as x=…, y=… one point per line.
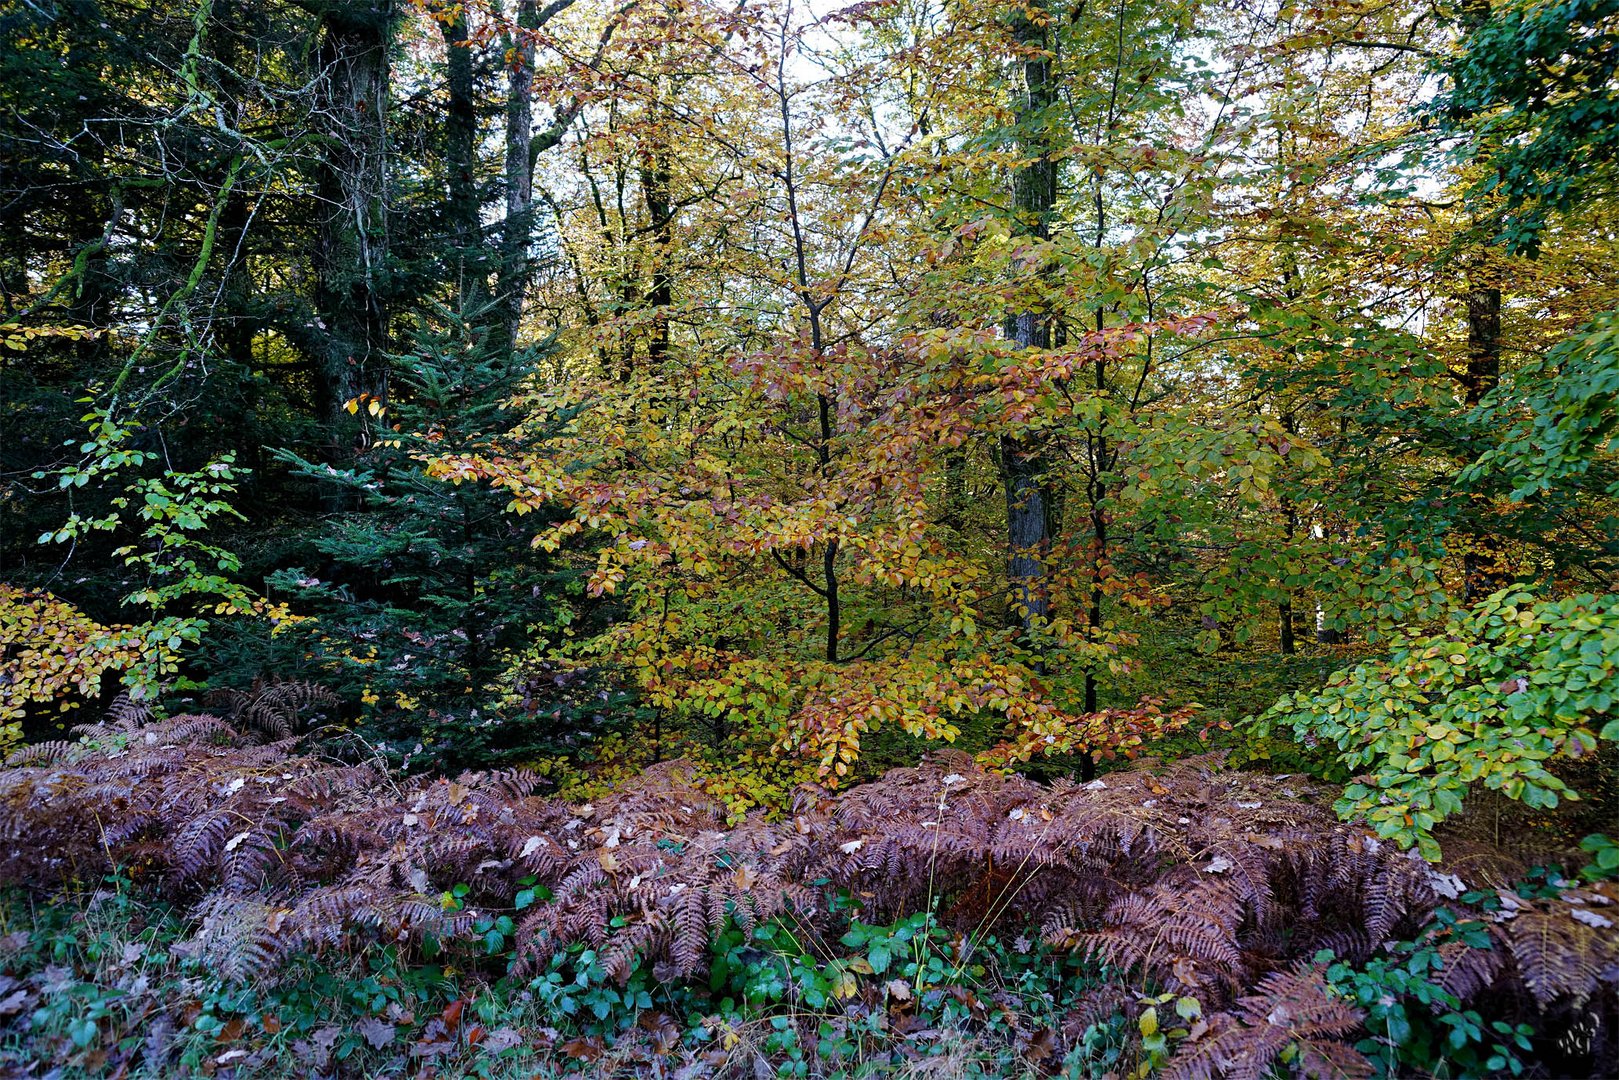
x=241, y=904
x=744, y=538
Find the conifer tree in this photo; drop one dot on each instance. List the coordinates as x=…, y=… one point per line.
x=420, y=590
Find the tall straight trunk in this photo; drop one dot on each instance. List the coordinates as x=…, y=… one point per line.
x=94, y=294
x=1482, y=571
x=1483, y=371
x=1293, y=289
x=1284, y=607
x=1096, y=493
x=352, y=233
x=460, y=161
x=1290, y=528
x=242, y=25
x=517, y=230
x=237, y=324
x=655, y=188
x=1023, y=465
x=953, y=514
x=828, y=589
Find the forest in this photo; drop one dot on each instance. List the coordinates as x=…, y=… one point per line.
x=809, y=538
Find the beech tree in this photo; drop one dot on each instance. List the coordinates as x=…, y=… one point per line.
x=951, y=368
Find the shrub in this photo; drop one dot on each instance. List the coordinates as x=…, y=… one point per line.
x=1497, y=697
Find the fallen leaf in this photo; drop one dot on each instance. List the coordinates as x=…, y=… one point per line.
x=585, y=1048
x=377, y=1032
x=502, y=1038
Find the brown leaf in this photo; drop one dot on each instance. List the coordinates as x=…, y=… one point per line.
x=376, y=1031
x=587, y=1048
x=1041, y=1045
x=502, y=1038
x=665, y=1034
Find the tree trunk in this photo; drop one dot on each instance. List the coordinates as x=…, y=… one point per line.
x=1482, y=570
x=655, y=181
x=460, y=160
x=1023, y=465
x=1483, y=371
x=352, y=233
x=1290, y=528
x=1324, y=634
x=517, y=230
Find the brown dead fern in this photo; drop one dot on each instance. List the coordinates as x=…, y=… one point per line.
x=1189, y=878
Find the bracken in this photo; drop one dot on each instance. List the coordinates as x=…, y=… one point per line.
x=1217, y=884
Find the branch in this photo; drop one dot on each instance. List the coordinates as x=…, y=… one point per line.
x=797, y=573
x=565, y=114
x=1394, y=45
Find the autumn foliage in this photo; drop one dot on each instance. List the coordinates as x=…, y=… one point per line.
x=1216, y=885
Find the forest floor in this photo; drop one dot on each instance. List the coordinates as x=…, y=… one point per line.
x=188, y=900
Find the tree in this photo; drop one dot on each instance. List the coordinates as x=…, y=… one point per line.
x=1531, y=91
x=424, y=590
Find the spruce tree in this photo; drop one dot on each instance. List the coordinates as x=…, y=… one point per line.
x=425, y=592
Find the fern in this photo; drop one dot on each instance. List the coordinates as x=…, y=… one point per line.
x=1290, y=1011
x=1191, y=878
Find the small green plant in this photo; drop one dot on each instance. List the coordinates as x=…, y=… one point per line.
x=1604, y=854
x=1159, y=1033
x=1414, y=1025
x=1497, y=697
x=182, y=581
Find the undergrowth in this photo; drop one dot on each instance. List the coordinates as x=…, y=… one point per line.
x=204, y=896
